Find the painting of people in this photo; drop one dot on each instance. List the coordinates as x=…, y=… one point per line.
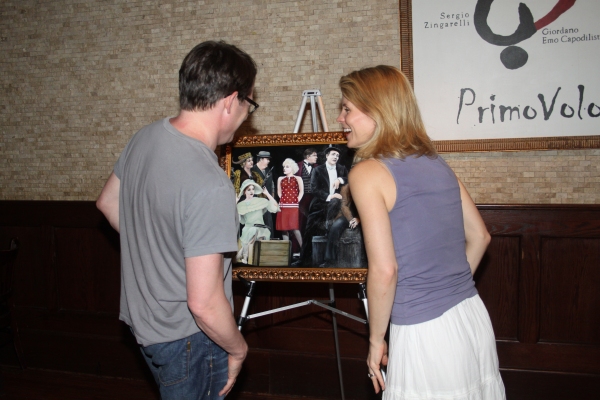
x=310, y=185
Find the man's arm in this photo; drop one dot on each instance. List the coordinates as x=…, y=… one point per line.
x=108, y=201
x=212, y=311
x=346, y=201
x=342, y=176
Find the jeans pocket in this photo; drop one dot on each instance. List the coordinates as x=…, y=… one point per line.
x=173, y=362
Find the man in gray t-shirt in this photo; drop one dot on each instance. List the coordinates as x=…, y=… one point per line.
x=176, y=212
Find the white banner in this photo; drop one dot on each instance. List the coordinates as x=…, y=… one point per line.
x=486, y=69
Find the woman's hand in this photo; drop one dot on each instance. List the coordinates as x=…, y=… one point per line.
x=378, y=357
x=266, y=192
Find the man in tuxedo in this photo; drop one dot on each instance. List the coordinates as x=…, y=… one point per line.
x=263, y=159
x=325, y=183
x=305, y=170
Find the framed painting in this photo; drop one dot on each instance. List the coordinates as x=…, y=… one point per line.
x=297, y=220
x=506, y=75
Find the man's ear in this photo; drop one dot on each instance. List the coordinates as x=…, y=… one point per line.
x=229, y=101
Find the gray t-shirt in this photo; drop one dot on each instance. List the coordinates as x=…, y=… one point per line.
x=175, y=202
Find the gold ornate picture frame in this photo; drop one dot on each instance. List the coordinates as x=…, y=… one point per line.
x=280, y=147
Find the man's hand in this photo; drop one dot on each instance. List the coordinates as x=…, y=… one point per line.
x=235, y=366
x=336, y=184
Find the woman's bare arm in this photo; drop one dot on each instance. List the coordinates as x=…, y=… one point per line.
x=476, y=234
x=374, y=193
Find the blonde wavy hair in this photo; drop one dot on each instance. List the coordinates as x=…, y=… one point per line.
x=385, y=94
x=293, y=164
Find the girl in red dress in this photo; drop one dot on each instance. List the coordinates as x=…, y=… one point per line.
x=290, y=190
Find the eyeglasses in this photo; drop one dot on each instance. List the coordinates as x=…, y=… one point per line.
x=253, y=105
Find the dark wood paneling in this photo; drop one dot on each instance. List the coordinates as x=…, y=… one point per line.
x=539, y=280
x=557, y=266
x=54, y=385
x=87, y=279
x=570, y=291
x=531, y=385
x=550, y=357
x=34, y=279
x=90, y=354
x=497, y=280
x=311, y=376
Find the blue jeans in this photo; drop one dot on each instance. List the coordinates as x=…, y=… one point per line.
x=191, y=368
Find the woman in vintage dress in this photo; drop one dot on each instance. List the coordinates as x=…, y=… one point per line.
x=251, y=210
x=424, y=239
x=290, y=189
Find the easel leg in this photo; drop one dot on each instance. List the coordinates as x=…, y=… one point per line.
x=362, y=295
x=337, y=342
x=313, y=111
x=300, y=113
x=322, y=114
x=250, y=292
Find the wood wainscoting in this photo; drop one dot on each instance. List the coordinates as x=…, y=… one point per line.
x=540, y=280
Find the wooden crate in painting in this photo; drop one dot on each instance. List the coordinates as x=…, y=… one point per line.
x=271, y=253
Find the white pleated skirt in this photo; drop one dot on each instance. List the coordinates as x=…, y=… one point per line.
x=450, y=357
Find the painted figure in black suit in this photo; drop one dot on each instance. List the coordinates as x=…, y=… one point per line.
x=326, y=182
x=346, y=218
x=305, y=170
x=261, y=168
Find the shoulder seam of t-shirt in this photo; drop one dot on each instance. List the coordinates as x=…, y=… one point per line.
x=172, y=130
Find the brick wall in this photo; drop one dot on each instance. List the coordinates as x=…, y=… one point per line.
x=540, y=177
x=79, y=77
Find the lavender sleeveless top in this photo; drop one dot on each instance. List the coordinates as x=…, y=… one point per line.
x=429, y=240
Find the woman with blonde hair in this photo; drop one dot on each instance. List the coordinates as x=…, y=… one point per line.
x=424, y=239
x=290, y=189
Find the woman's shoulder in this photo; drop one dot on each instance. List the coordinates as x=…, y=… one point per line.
x=374, y=180
x=370, y=173
x=368, y=167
